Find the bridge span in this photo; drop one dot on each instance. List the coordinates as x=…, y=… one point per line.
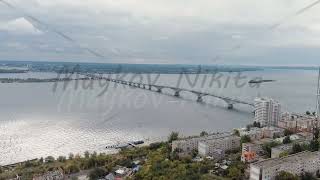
x=159, y=88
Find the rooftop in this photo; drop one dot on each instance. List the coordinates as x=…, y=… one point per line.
x=209, y=137
x=295, y=158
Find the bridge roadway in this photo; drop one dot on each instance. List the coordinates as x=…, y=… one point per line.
x=158, y=88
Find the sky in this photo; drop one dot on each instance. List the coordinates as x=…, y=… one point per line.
x=246, y=32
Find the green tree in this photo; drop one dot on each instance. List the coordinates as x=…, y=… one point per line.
x=236, y=132
x=286, y=176
x=308, y=113
x=72, y=168
x=275, y=136
x=234, y=173
x=194, y=153
x=204, y=133
x=286, y=140
x=245, y=139
x=316, y=133
x=256, y=124
x=62, y=159
x=296, y=148
x=49, y=159
x=71, y=156
x=283, y=154
x=86, y=154
x=314, y=145
x=307, y=176
x=267, y=147
x=97, y=173
x=249, y=126
x=287, y=132
x=173, y=136
x=318, y=173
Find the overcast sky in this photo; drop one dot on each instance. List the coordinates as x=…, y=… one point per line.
x=162, y=31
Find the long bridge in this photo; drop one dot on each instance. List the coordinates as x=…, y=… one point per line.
x=159, y=88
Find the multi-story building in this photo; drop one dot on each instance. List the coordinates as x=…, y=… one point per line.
x=187, y=145
x=252, y=151
x=298, y=123
x=295, y=164
x=271, y=132
x=254, y=133
x=267, y=111
x=217, y=146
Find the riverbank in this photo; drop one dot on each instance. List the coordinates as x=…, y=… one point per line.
x=156, y=160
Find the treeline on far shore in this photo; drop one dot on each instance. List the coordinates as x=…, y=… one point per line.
x=36, y=80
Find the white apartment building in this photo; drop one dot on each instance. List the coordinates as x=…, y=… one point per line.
x=216, y=147
x=187, y=145
x=296, y=164
x=267, y=111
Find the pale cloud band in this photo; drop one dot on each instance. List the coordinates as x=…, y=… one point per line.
x=153, y=31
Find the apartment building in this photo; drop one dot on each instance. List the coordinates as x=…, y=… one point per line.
x=187, y=145
x=217, y=147
x=298, y=123
x=254, y=133
x=257, y=134
x=296, y=164
x=267, y=111
x=252, y=151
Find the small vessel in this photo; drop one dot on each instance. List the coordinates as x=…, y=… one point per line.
x=125, y=145
x=118, y=146
x=138, y=142
x=259, y=81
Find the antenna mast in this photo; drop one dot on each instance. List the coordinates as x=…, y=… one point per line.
x=318, y=97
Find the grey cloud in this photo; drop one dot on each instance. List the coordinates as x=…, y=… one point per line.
x=164, y=32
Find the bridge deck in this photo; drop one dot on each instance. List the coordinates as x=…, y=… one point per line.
x=199, y=93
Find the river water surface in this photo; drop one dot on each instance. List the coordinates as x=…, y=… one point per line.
x=37, y=120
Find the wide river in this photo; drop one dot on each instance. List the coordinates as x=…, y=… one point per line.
x=38, y=120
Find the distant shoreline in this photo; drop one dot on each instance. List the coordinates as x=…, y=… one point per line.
x=34, y=80
x=12, y=71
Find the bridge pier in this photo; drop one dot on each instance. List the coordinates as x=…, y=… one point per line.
x=144, y=86
x=150, y=87
x=159, y=90
x=177, y=94
x=200, y=99
x=230, y=106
